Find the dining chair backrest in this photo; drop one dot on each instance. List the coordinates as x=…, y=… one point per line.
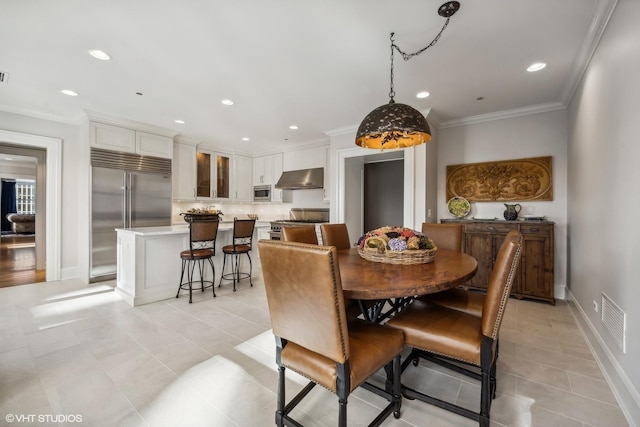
x=300, y=234
x=502, y=276
x=203, y=234
x=445, y=236
x=335, y=235
x=243, y=231
x=302, y=282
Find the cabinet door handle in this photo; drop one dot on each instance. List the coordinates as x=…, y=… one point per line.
x=491, y=228
x=534, y=230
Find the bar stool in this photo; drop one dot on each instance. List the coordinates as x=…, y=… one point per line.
x=241, y=245
x=202, y=246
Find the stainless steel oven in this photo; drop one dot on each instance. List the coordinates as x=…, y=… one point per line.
x=262, y=193
x=298, y=217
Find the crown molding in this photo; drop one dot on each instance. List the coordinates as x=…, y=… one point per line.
x=603, y=11
x=506, y=114
x=74, y=120
x=139, y=126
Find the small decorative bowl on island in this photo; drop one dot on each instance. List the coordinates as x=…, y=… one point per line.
x=209, y=214
x=396, y=245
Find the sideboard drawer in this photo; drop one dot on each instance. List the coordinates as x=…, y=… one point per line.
x=539, y=229
x=490, y=227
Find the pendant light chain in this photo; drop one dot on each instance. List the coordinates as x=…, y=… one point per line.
x=408, y=56
x=396, y=125
x=447, y=9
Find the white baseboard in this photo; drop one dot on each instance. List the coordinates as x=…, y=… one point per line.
x=69, y=273
x=624, y=390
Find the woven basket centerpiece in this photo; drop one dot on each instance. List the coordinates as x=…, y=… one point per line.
x=208, y=214
x=396, y=245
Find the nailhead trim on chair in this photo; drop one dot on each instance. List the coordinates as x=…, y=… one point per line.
x=337, y=307
x=505, y=295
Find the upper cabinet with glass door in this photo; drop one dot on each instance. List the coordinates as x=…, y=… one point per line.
x=213, y=176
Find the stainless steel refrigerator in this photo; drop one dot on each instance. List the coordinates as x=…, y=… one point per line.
x=128, y=191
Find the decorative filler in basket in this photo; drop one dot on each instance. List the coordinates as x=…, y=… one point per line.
x=208, y=214
x=396, y=245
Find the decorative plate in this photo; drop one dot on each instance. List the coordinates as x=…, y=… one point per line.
x=459, y=207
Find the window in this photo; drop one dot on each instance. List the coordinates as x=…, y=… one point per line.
x=26, y=197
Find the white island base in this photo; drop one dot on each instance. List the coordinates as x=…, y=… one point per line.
x=149, y=261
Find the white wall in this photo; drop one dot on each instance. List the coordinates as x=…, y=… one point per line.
x=75, y=191
x=535, y=135
x=604, y=177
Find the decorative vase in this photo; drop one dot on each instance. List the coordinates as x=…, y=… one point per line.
x=511, y=211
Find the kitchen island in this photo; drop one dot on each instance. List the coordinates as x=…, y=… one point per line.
x=149, y=263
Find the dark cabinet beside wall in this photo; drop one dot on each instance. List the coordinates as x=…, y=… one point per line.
x=534, y=278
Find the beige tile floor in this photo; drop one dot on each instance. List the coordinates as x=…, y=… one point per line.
x=68, y=351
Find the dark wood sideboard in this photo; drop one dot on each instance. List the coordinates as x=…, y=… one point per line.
x=534, y=279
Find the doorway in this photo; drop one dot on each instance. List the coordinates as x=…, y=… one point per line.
x=383, y=194
x=350, y=199
x=22, y=254
x=51, y=175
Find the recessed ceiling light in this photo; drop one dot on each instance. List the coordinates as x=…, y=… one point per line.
x=99, y=54
x=537, y=66
x=422, y=94
x=69, y=92
x=245, y=139
x=293, y=127
x=227, y=102
x=179, y=121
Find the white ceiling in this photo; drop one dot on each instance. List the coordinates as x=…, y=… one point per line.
x=322, y=65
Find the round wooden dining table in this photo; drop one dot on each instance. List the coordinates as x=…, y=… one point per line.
x=365, y=280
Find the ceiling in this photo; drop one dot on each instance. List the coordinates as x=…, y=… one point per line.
x=320, y=65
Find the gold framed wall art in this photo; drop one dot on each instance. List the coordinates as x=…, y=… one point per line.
x=506, y=180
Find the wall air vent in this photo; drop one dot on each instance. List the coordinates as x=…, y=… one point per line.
x=615, y=320
x=4, y=77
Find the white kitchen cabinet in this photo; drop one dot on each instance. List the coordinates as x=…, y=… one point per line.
x=116, y=138
x=266, y=171
x=325, y=195
x=276, y=193
x=242, y=168
x=113, y=138
x=263, y=170
x=148, y=144
x=183, y=174
x=213, y=176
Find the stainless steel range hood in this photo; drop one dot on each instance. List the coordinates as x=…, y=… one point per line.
x=303, y=179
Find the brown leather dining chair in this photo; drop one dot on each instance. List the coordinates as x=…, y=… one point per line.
x=302, y=282
x=202, y=247
x=240, y=245
x=444, y=335
x=335, y=235
x=446, y=236
x=449, y=236
x=301, y=234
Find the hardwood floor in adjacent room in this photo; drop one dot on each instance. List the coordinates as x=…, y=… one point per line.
x=18, y=261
